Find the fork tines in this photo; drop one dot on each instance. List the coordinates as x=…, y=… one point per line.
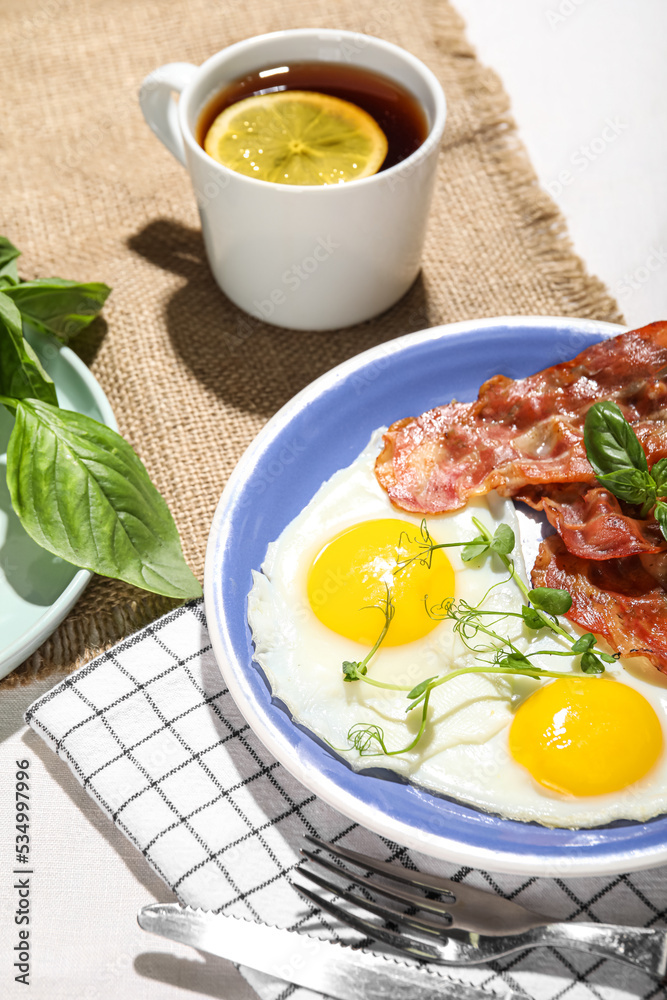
x=465, y=925
x=438, y=926
x=418, y=880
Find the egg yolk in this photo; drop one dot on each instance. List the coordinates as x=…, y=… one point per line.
x=348, y=579
x=582, y=736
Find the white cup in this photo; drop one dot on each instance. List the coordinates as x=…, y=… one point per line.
x=305, y=257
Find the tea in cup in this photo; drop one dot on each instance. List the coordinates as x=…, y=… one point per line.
x=338, y=240
x=312, y=123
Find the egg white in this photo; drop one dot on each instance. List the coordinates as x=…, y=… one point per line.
x=464, y=752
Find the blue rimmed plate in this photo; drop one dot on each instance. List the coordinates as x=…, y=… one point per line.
x=321, y=430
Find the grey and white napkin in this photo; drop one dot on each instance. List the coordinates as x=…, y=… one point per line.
x=152, y=733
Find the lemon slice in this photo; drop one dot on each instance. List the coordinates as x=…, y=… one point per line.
x=297, y=137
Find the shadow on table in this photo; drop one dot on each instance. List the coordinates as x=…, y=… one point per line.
x=15, y=700
x=244, y=361
x=132, y=858
x=88, y=343
x=208, y=976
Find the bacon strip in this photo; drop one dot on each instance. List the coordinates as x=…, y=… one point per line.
x=593, y=525
x=614, y=598
x=526, y=432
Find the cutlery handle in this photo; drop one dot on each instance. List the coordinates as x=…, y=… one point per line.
x=645, y=947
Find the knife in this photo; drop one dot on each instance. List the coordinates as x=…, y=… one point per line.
x=333, y=969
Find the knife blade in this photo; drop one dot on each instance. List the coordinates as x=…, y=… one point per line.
x=332, y=969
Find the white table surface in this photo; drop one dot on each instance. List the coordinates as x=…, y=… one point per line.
x=588, y=85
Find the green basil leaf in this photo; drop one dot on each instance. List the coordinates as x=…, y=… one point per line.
x=9, y=274
x=660, y=512
x=583, y=643
x=420, y=688
x=611, y=443
x=531, y=617
x=21, y=374
x=631, y=485
x=503, y=540
x=551, y=600
x=57, y=306
x=590, y=664
x=80, y=492
x=477, y=547
x=659, y=475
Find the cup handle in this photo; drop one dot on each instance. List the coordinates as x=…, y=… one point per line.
x=159, y=107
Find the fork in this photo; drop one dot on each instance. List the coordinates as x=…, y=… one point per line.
x=463, y=925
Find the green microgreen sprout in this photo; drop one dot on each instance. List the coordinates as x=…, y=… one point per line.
x=476, y=627
x=355, y=671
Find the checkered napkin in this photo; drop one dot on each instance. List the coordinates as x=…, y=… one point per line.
x=153, y=735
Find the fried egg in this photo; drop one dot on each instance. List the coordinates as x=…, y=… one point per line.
x=577, y=751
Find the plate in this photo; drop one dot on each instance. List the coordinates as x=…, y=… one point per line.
x=319, y=431
x=38, y=589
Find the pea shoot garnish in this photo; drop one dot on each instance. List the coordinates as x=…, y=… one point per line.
x=477, y=628
x=354, y=671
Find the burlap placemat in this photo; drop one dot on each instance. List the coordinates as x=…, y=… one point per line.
x=90, y=194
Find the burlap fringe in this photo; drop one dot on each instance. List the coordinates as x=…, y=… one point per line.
x=83, y=636
x=80, y=638
x=501, y=147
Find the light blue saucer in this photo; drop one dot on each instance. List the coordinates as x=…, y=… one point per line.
x=321, y=430
x=38, y=589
